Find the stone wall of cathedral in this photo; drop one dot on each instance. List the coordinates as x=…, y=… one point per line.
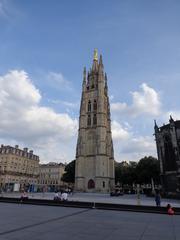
x=168, y=150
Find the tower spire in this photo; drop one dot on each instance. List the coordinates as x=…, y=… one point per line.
x=100, y=66
x=95, y=60
x=94, y=171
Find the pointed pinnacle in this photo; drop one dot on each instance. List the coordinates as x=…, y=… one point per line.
x=100, y=60
x=84, y=73
x=95, y=54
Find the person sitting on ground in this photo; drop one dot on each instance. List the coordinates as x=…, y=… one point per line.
x=24, y=196
x=170, y=210
x=64, y=196
x=56, y=196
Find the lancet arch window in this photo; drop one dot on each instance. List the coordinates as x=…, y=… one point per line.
x=89, y=120
x=94, y=119
x=95, y=105
x=89, y=106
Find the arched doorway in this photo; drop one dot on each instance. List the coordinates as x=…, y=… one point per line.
x=91, y=184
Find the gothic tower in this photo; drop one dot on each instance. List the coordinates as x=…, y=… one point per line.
x=94, y=153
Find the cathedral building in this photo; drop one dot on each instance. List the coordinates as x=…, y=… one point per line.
x=94, y=170
x=168, y=149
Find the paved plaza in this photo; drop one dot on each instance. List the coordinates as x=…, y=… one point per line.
x=103, y=198
x=32, y=222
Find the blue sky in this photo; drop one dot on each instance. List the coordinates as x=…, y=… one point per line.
x=44, y=46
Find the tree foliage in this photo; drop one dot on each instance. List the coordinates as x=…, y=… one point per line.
x=148, y=168
x=141, y=172
x=69, y=175
x=125, y=173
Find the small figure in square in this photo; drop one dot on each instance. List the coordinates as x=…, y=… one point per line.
x=158, y=199
x=170, y=210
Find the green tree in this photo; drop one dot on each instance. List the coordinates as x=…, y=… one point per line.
x=125, y=173
x=141, y=172
x=148, y=168
x=69, y=175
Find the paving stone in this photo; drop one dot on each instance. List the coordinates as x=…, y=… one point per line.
x=45, y=223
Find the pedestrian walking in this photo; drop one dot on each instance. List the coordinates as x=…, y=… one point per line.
x=158, y=199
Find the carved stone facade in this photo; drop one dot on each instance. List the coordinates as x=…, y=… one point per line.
x=94, y=171
x=168, y=149
x=19, y=169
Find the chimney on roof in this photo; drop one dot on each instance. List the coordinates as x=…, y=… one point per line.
x=25, y=149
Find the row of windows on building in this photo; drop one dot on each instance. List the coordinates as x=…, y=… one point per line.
x=90, y=106
x=51, y=175
x=17, y=169
x=89, y=122
x=14, y=159
x=16, y=180
x=44, y=171
x=15, y=164
x=19, y=153
x=48, y=182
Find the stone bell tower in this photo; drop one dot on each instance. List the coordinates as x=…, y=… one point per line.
x=94, y=170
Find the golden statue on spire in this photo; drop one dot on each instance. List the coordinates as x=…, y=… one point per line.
x=96, y=54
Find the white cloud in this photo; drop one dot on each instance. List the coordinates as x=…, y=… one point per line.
x=15, y=87
x=6, y=9
x=118, y=132
x=119, y=107
x=146, y=101
x=23, y=119
x=58, y=81
x=130, y=146
x=135, y=148
x=2, y=8
x=141, y=144
x=72, y=105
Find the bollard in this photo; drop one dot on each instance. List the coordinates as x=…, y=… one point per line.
x=138, y=195
x=94, y=206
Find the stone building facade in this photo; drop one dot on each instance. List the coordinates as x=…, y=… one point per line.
x=94, y=168
x=50, y=176
x=168, y=149
x=18, y=169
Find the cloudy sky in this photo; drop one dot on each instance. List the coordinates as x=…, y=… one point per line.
x=44, y=45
